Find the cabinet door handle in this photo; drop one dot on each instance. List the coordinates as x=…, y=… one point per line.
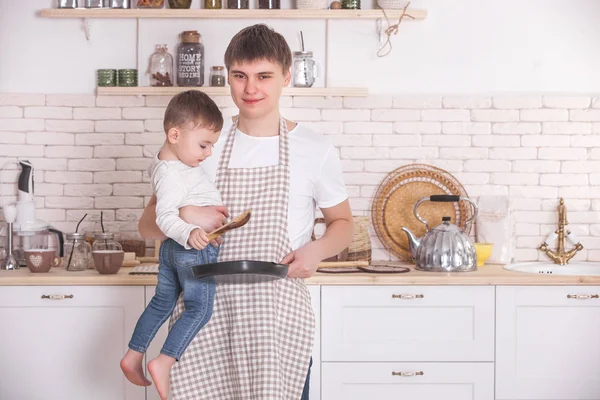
x=407, y=373
x=57, y=296
x=583, y=296
x=408, y=296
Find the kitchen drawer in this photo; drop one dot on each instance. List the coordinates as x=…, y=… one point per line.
x=414, y=381
x=407, y=323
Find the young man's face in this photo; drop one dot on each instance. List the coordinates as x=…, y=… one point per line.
x=256, y=86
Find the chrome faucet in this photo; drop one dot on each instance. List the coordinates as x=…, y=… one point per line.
x=560, y=256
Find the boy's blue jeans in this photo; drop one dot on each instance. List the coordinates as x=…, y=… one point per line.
x=174, y=275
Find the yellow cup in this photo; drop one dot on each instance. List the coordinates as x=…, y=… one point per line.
x=484, y=251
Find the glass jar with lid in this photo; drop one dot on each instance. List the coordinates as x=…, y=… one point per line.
x=213, y=4
x=217, y=76
x=190, y=60
x=77, y=252
x=160, y=67
x=305, y=70
x=238, y=4
x=107, y=253
x=150, y=3
x=106, y=241
x=269, y=4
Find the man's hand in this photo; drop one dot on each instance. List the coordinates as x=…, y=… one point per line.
x=302, y=262
x=208, y=218
x=198, y=239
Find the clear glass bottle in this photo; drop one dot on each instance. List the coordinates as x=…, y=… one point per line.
x=190, y=60
x=217, y=76
x=160, y=67
x=78, y=252
x=107, y=253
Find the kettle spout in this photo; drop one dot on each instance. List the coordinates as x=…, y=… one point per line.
x=413, y=242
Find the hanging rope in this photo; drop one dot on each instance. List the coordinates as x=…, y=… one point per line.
x=391, y=30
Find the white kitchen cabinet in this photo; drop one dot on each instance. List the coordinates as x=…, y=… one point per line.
x=67, y=346
x=411, y=381
x=548, y=343
x=407, y=323
x=315, y=377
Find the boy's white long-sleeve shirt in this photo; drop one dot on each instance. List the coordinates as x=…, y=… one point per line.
x=177, y=185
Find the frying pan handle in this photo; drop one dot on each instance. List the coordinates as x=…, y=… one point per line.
x=444, y=198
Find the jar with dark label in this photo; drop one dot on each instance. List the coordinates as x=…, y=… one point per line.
x=190, y=60
x=217, y=76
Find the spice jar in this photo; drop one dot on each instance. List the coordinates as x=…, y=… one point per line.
x=180, y=3
x=238, y=4
x=150, y=3
x=217, y=76
x=160, y=67
x=269, y=4
x=190, y=60
x=77, y=252
x=212, y=4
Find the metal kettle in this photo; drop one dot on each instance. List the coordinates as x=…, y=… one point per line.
x=445, y=248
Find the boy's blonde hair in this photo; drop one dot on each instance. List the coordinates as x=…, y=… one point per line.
x=194, y=107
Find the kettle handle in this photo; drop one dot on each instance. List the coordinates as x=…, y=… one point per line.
x=444, y=198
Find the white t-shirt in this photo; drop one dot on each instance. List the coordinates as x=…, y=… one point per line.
x=315, y=172
x=176, y=185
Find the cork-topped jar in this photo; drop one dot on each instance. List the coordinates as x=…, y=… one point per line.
x=190, y=60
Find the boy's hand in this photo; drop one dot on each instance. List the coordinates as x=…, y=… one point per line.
x=198, y=239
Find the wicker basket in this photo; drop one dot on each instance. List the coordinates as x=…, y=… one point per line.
x=395, y=198
x=392, y=4
x=311, y=4
x=360, y=247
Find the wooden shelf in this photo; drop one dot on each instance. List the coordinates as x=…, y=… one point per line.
x=246, y=14
x=224, y=91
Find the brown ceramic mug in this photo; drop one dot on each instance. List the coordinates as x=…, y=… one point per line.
x=41, y=260
x=108, y=261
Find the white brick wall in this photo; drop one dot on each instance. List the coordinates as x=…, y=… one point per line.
x=91, y=152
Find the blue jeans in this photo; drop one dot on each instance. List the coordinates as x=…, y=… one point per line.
x=307, y=383
x=174, y=275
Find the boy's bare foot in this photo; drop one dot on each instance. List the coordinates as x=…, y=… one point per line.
x=160, y=370
x=133, y=368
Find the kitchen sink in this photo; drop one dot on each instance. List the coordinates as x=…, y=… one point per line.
x=549, y=268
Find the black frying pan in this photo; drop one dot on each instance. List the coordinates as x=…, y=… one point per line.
x=243, y=271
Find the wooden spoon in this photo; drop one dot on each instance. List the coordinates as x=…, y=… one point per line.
x=237, y=222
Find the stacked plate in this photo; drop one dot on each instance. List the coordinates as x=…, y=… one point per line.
x=106, y=77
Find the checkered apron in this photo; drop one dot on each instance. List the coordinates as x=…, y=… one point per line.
x=258, y=342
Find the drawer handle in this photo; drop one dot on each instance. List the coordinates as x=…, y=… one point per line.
x=583, y=296
x=57, y=296
x=408, y=373
x=407, y=296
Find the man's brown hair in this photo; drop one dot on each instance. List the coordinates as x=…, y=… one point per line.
x=258, y=42
x=194, y=107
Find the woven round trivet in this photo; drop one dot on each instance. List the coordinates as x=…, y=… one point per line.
x=396, y=196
